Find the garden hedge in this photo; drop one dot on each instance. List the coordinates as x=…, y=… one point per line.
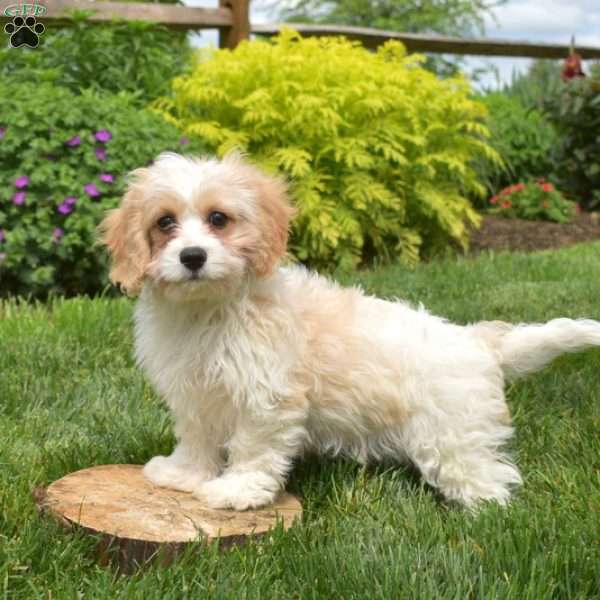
x=378, y=150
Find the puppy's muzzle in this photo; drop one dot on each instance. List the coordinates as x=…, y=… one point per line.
x=193, y=258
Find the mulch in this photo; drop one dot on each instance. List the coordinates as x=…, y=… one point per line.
x=499, y=233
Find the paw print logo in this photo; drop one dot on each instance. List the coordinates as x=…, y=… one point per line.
x=24, y=32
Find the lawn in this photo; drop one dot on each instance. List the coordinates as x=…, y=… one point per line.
x=71, y=397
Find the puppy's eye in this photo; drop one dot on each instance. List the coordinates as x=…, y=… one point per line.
x=218, y=219
x=166, y=222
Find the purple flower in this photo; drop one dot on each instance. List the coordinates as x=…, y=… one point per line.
x=91, y=190
x=74, y=141
x=67, y=205
x=57, y=234
x=2, y=132
x=103, y=135
x=19, y=198
x=107, y=178
x=100, y=153
x=51, y=157
x=21, y=182
x=2, y=235
x=184, y=141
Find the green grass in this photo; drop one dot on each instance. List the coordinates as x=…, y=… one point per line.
x=70, y=397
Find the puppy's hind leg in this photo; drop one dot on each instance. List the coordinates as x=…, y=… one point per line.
x=461, y=456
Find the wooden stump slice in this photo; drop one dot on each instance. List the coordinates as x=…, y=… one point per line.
x=138, y=521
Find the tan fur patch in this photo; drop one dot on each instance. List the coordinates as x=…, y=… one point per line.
x=124, y=233
x=273, y=219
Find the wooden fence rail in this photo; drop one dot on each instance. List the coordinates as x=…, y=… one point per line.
x=437, y=44
x=231, y=18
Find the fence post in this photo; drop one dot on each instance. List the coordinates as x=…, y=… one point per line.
x=230, y=37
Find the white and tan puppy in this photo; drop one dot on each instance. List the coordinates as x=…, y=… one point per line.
x=259, y=363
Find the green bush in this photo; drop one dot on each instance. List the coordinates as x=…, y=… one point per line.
x=377, y=149
x=523, y=137
x=538, y=85
x=136, y=57
x=534, y=200
x=572, y=105
x=576, y=114
x=63, y=159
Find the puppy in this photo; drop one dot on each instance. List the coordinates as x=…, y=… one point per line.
x=259, y=363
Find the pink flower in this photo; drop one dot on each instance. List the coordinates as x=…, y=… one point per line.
x=70, y=201
x=19, y=198
x=103, y=136
x=107, y=178
x=518, y=187
x=184, y=141
x=100, y=153
x=91, y=190
x=21, y=182
x=494, y=200
x=74, y=141
x=57, y=234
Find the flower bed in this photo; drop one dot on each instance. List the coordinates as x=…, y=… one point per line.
x=63, y=163
x=499, y=234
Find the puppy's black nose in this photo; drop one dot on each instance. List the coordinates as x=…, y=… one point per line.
x=193, y=257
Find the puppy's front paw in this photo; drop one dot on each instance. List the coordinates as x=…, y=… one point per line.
x=239, y=492
x=164, y=471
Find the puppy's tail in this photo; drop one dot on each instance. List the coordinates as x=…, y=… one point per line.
x=524, y=349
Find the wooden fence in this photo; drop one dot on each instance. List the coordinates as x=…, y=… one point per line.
x=437, y=44
x=232, y=19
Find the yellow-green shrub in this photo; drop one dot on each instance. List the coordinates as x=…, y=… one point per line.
x=377, y=149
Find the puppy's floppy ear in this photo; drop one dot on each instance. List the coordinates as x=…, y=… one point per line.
x=122, y=231
x=274, y=213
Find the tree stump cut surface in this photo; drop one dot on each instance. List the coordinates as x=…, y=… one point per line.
x=117, y=501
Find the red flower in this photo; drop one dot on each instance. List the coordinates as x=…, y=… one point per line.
x=547, y=187
x=494, y=200
x=506, y=191
x=518, y=187
x=506, y=204
x=572, y=66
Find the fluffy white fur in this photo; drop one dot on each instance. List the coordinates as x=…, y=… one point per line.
x=260, y=363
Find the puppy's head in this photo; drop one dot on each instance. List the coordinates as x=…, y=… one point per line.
x=195, y=225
